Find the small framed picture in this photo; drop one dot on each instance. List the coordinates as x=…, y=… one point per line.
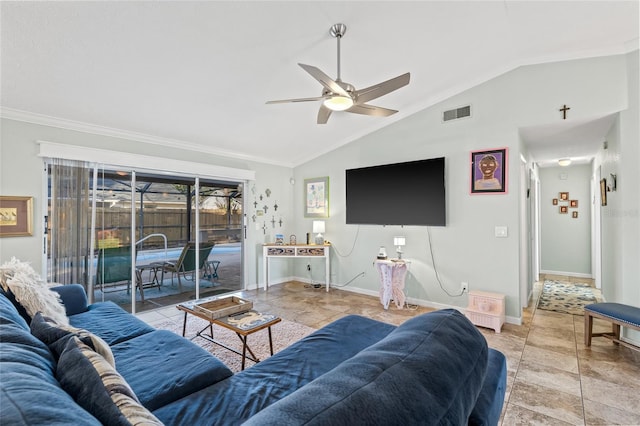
x=555, y=201
x=16, y=216
x=564, y=196
x=564, y=209
x=316, y=197
x=573, y=203
x=489, y=171
x=574, y=215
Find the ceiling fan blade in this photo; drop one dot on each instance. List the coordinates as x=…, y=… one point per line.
x=371, y=110
x=377, y=90
x=325, y=80
x=282, y=101
x=323, y=114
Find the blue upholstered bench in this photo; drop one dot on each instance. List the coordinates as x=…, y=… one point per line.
x=618, y=314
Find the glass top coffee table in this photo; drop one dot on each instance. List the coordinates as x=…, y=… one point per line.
x=243, y=324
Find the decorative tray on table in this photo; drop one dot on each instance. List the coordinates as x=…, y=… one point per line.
x=223, y=307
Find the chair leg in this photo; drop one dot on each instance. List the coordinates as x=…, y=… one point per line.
x=588, y=328
x=616, y=332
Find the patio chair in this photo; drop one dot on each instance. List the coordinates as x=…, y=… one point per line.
x=114, y=266
x=186, y=263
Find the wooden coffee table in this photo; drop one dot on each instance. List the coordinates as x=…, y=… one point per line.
x=243, y=324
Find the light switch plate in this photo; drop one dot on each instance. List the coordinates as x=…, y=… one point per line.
x=501, y=232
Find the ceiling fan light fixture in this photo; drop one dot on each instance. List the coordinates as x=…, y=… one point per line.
x=338, y=103
x=564, y=162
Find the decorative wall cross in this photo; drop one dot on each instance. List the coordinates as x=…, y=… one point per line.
x=564, y=110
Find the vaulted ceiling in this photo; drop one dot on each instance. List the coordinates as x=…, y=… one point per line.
x=197, y=74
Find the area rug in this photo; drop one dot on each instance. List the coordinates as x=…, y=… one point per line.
x=570, y=298
x=284, y=334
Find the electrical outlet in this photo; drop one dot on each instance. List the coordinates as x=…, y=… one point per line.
x=464, y=287
x=308, y=267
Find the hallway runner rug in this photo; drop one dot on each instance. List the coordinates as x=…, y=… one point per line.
x=567, y=297
x=284, y=334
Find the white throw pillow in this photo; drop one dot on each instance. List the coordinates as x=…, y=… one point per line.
x=31, y=291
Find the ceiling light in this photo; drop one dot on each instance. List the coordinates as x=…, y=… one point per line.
x=338, y=103
x=564, y=162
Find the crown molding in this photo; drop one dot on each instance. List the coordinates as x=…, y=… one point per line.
x=141, y=162
x=63, y=123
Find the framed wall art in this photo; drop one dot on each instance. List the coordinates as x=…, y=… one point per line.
x=564, y=209
x=489, y=171
x=16, y=216
x=316, y=197
x=555, y=201
x=564, y=196
x=573, y=203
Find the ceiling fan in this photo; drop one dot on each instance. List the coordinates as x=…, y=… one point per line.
x=340, y=96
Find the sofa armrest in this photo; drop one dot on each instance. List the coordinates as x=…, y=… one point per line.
x=74, y=298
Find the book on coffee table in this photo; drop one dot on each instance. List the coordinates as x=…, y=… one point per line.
x=247, y=320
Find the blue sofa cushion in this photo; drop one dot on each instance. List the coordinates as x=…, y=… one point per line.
x=11, y=310
x=428, y=371
x=98, y=387
x=54, y=335
x=9, y=313
x=237, y=398
x=111, y=322
x=489, y=404
x=27, y=400
x=29, y=392
x=162, y=367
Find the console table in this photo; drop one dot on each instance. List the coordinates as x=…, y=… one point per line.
x=392, y=274
x=270, y=251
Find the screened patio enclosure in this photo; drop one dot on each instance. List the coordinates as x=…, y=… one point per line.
x=121, y=232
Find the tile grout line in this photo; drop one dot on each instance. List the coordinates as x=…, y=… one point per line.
x=515, y=376
x=575, y=337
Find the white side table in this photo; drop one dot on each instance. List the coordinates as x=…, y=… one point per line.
x=392, y=274
x=274, y=251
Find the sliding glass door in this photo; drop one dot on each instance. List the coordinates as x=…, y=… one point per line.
x=139, y=232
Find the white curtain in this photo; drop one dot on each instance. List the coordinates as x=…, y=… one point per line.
x=69, y=219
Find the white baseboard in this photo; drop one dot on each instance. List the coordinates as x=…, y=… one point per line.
x=375, y=293
x=426, y=303
x=567, y=274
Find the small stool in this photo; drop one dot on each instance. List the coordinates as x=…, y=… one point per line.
x=618, y=314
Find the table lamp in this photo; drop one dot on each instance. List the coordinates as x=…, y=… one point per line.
x=399, y=242
x=318, y=229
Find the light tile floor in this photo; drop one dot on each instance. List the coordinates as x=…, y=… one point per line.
x=553, y=379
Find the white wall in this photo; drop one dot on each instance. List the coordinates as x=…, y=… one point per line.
x=620, y=217
x=566, y=241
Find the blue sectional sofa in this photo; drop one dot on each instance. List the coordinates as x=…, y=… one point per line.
x=436, y=368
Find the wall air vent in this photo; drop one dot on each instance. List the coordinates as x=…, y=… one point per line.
x=455, y=114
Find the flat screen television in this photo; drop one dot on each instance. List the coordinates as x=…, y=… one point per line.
x=410, y=193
